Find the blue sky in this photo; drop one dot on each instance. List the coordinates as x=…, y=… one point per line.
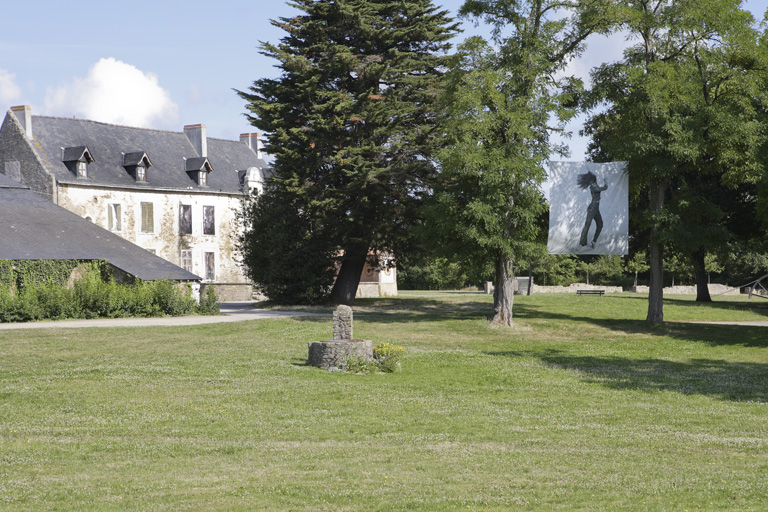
x=164, y=64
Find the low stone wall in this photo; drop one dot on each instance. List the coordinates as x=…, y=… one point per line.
x=573, y=287
x=368, y=291
x=335, y=354
x=714, y=289
x=231, y=292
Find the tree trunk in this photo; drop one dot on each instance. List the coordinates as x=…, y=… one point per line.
x=587, y=276
x=702, y=287
x=634, y=286
x=530, y=279
x=656, y=284
x=503, y=293
x=345, y=287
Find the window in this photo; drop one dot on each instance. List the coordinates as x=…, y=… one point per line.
x=137, y=164
x=185, y=219
x=114, y=217
x=147, y=218
x=186, y=259
x=210, y=266
x=209, y=221
x=202, y=179
x=82, y=169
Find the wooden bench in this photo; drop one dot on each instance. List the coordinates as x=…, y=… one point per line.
x=590, y=292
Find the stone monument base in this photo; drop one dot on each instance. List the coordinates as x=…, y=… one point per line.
x=336, y=353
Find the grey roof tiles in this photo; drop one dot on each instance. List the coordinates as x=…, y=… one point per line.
x=169, y=153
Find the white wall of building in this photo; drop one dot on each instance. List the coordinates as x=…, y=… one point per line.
x=165, y=238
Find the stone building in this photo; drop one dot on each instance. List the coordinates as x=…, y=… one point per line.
x=34, y=228
x=378, y=280
x=176, y=194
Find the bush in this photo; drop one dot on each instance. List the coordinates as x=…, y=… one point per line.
x=388, y=356
x=209, y=302
x=430, y=274
x=173, y=299
x=92, y=297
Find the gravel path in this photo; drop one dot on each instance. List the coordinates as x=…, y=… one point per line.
x=231, y=312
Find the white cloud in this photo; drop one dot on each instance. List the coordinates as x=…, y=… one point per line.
x=115, y=92
x=9, y=91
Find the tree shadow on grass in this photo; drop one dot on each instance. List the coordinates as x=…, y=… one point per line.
x=757, y=306
x=711, y=334
x=737, y=382
x=404, y=310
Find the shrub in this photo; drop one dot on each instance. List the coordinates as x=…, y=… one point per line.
x=93, y=297
x=360, y=365
x=430, y=274
x=172, y=298
x=388, y=356
x=209, y=302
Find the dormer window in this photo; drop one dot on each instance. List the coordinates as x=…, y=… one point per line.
x=198, y=169
x=251, y=180
x=137, y=164
x=77, y=159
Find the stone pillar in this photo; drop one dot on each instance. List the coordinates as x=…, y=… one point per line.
x=342, y=323
x=335, y=354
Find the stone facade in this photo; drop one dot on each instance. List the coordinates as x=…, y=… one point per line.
x=162, y=234
x=378, y=282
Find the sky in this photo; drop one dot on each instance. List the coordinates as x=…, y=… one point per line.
x=166, y=64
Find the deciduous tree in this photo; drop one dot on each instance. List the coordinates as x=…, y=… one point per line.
x=681, y=104
x=503, y=102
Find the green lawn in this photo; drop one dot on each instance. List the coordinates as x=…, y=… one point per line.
x=581, y=406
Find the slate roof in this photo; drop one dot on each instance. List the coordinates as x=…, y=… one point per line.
x=34, y=228
x=168, y=152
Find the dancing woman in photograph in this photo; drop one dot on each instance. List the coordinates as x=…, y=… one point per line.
x=593, y=210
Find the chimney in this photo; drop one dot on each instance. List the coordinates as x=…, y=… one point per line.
x=253, y=141
x=24, y=114
x=196, y=135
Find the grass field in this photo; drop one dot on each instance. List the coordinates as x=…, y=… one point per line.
x=581, y=406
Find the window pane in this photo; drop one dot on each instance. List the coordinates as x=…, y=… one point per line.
x=210, y=269
x=185, y=219
x=209, y=221
x=147, y=218
x=186, y=259
x=114, y=217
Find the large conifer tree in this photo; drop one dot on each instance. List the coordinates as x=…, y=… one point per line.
x=351, y=120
